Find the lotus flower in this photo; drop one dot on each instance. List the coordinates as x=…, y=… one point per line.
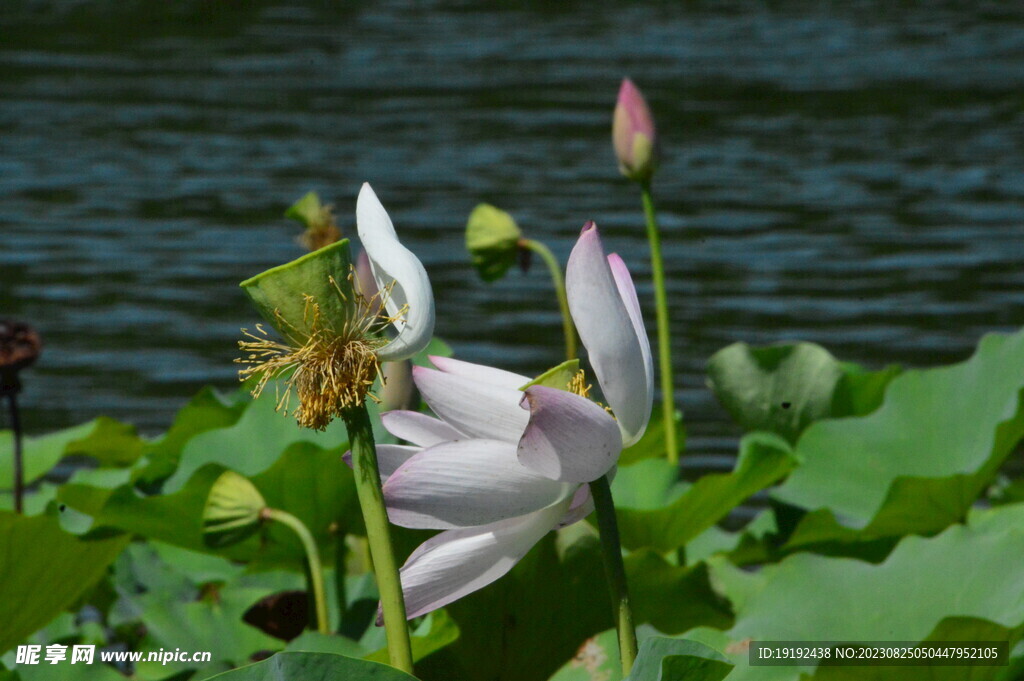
x=332, y=350
x=505, y=463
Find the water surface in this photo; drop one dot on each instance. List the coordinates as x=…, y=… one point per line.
x=845, y=173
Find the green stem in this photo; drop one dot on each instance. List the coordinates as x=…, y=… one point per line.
x=378, y=533
x=568, y=330
x=664, y=336
x=340, y=572
x=316, y=569
x=615, y=571
x=19, y=476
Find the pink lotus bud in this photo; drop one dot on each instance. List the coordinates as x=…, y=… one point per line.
x=633, y=134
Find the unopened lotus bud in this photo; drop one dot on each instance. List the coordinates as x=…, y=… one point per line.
x=633, y=134
x=233, y=511
x=321, y=229
x=20, y=346
x=492, y=239
x=399, y=391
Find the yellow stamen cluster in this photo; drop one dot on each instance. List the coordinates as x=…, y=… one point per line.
x=332, y=366
x=578, y=384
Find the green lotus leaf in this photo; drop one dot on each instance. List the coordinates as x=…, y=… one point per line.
x=779, y=388
x=668, y=519
x=314, y=667
x=669, y=659
x=45, y=570
x=917, y=463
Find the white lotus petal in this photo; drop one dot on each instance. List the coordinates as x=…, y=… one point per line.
x=607, y=330
x=389, y=458
x=479, y=372
x=568, y=437
x=624, y=282
x=474, y=408
x=467, y=483
x=393, y=262
x=458, y=562
x=418, y=428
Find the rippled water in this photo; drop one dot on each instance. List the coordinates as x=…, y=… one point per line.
x=846, y=173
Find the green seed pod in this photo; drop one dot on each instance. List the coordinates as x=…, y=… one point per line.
x=233, y=510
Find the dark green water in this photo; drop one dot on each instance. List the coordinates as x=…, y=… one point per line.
x=847, y=173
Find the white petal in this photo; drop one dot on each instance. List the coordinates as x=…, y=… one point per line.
x=616, y=344
x=393, y=262
x=474, y=408
x=389, y=458
x=418, y=428
x=479, y=372
x=467, y=483
x=458, y=562
x=568, y=438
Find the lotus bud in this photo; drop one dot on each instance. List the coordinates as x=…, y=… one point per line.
x=633, y=134
x=321, y=229
x=20, y=346
x=492, y=239
x=234, y=510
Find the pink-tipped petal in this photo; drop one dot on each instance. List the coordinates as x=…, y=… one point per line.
x=418, y=428
x=624, y=282
x=617, y=345
x=474, y=408
x=568, y=437
x=479, y=372
x=458, y=562
x=465, y=484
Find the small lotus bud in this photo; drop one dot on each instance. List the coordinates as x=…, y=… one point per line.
x=492, y=239
x=233, y=511
x=399, y=391
x=20, y=346
x=318, y=219
x=633, y=134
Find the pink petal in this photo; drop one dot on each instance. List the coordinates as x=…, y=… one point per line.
x=472, y=407
x=418, y=428
x=616, y=343
x=480, y=372
x=458, y=562
x=466, y=483
x=568, y=437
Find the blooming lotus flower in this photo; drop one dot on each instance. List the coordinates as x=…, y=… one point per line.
x=507, y=461
x=334, y=338
x=633, y=134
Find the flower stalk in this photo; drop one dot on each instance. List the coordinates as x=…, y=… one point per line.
x=19, y=474
x=316, y=568
x=378, y=533
x=615, y=571
x=664, y=333
x=568, y=330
